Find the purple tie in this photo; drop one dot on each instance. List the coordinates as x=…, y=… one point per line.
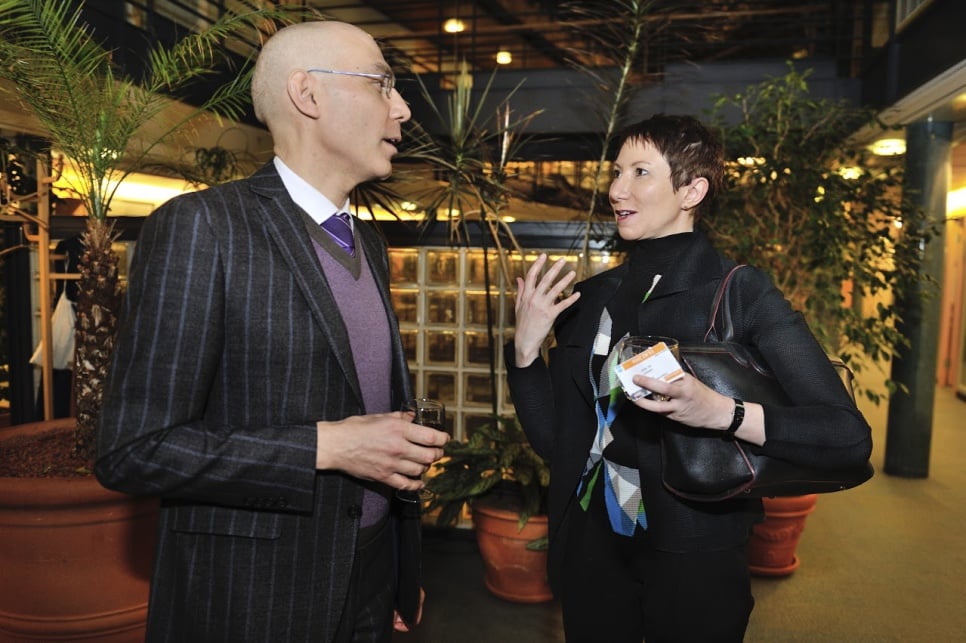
x=340, y=229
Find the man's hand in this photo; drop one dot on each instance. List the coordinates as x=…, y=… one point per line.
x=399, y=624
x=385, y=447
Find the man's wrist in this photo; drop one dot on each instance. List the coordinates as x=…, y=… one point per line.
x=323, y=460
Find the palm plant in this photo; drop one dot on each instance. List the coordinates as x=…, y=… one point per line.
x=470, y=156
x=463, y=171
x=96, y=115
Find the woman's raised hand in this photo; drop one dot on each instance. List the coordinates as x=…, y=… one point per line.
x=537, y=306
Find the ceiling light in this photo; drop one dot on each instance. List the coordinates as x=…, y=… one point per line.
x=956, y=203
x=849, y=172
x=888, y=147
x=750, y=161
x=454, y=25
x=504, y=57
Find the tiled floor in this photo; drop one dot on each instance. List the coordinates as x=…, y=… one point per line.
x=885, y=562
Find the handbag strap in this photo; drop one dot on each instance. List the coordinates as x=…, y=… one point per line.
x=726, y=333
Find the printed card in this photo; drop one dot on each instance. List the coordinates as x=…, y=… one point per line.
x=657, y=361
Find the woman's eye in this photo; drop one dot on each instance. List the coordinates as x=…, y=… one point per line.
x=640, y=171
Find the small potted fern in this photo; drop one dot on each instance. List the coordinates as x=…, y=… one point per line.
x=505, y=483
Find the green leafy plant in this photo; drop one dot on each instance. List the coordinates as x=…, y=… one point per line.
x=496, y=462
x=107, y=123
x=828, y=221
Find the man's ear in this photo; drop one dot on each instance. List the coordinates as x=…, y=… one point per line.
x=302, y=93
x=695, y=192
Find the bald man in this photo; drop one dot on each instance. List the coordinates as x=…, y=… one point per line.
x=258, y=369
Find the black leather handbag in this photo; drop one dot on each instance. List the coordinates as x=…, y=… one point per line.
x=703, y=465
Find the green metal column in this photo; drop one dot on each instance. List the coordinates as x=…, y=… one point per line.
x=909, y=427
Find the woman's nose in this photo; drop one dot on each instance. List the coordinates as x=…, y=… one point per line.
x=616, y=192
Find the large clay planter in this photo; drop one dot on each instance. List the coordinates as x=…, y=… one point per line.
x=511, y=571
x=771, y=549
x=75, y=558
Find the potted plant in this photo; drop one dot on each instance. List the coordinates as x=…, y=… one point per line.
x=505, y=483
x=75, y=557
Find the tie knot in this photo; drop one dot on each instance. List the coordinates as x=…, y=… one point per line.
x=340, y=229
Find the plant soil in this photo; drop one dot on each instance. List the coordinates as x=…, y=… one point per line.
x=48, y=455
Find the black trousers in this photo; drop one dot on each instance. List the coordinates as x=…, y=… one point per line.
x=368, y=611
x=621, y=590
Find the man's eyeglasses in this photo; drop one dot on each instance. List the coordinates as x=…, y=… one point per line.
x=386, y=81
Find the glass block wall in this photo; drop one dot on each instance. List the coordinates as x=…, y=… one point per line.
x=439, y=294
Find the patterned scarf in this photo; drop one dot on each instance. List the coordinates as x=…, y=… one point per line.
x=623, y=495
x=622, y=484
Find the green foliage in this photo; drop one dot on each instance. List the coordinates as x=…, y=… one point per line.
x=497, y=455
x=468, y=158
x=93, y=112
x=820, y=214
x=107, y=123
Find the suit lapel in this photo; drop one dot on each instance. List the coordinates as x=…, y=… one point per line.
x=281, y=218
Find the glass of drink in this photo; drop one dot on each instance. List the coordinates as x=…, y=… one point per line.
x=634, y=344
x=431, y=413
x=645, y=346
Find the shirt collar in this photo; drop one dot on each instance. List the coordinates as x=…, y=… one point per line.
x=315, y=204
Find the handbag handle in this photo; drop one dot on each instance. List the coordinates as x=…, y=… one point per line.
x=727, y=333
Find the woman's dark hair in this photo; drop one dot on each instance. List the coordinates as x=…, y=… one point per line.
x=691, y=149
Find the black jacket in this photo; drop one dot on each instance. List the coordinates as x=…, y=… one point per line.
x=555, y=403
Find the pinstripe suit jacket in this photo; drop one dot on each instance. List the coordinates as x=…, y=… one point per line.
x=230, y=348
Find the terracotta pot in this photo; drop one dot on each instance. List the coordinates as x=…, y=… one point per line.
x=75, y=558
x=771, y=549
x=511, y=571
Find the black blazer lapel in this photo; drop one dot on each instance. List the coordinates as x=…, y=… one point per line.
x=281, y=218
x=576, y=334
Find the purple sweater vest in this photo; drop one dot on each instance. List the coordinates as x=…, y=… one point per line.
x=359, y=303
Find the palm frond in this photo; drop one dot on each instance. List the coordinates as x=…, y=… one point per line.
x=91, y=110
x=470, y=153
x=94, y=113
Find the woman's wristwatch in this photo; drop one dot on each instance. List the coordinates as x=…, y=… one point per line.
x=737, y=418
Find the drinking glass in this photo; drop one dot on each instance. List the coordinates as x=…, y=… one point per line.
x=634, y=344
x=431, y=413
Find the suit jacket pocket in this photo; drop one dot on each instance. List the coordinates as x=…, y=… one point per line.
x=224, y=521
